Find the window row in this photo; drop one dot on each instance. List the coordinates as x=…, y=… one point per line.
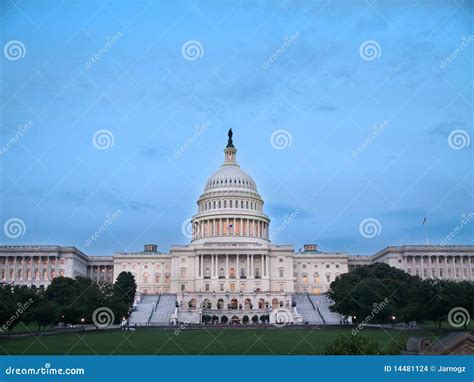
x=229, y=203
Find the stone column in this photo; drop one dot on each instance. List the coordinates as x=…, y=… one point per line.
x=237, y=266
x=226, y=266
x=14, y=269
x=446, y=266
x=454, y=267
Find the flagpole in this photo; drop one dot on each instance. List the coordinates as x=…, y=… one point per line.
x=425, y=226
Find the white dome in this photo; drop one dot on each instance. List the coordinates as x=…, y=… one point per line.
x=230, y=176
x=230, y=208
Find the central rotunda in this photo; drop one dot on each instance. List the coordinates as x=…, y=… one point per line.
x=230, y=208
x=230, y=272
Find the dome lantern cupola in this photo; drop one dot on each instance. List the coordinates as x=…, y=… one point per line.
x=230, y=151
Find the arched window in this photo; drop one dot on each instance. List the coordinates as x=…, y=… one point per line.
x=257, y=272
x=145, y=277
x=316, y=277
x=242, y=272
x=275, y=303
x=232, y=273
x=207, y=272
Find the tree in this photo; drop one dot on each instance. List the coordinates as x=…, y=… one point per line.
x=71, y=314
x=7, y=309
x=377, y=291
x=90, y=296
x=352, y=345
x=46, y=313
x=62, y=290
x=125, y=287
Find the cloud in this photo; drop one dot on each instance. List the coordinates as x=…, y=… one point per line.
x=140, y=206
x=324, y=107
x=443, y=129
x=154, y=152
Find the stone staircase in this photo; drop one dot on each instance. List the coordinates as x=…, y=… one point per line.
x=323, y=303
x=143, y=311
x=306, y=309
x=163, y=310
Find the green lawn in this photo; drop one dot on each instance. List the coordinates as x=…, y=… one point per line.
x=192, y=341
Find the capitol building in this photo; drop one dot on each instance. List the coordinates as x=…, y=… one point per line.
x=230, y=271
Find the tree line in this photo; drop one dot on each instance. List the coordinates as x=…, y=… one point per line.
x=67, y=300
x=379, y=293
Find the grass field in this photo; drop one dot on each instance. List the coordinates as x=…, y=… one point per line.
x=194, y=342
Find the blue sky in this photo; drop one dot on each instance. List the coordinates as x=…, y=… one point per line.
x=326, y=92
